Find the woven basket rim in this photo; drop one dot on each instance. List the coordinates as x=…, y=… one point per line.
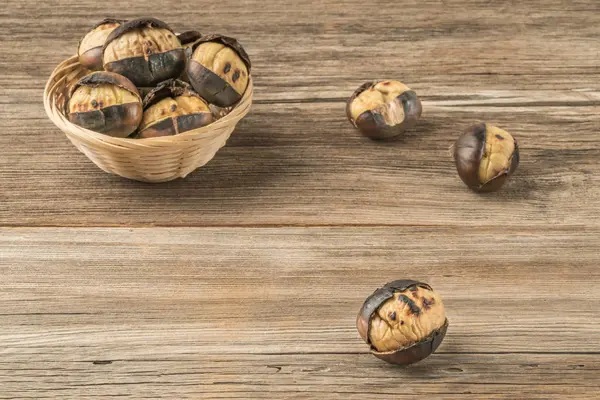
x=60, y=120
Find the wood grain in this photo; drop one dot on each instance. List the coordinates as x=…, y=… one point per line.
x=532, y=70
x=200, y=305
x=243, y=280
x=331, y=376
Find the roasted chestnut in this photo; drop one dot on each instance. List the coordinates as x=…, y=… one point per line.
x=145, y=50
x=105, y=102
x=188, y=39
x=403, y=322
x=383, y=109
x=172, y=108
x=90, y=46
x=485, y=157
x=219, y=69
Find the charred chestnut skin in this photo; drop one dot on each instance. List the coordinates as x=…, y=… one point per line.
x=147, y=64
x=469, y=150
x=188, y=38
x=90, y=51
x=207, y=83
x=118, y=120
x=170, y=125
x=373, y=124
x=406, y=355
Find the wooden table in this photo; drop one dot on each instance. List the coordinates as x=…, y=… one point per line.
x=243, y=280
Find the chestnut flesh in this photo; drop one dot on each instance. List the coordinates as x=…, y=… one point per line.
x=219, y=69
x=90, y=46
x=383, y=109
x=403, y=322
x=145, y=50
x=172, y=108
x=485, y=157
x=105, y=102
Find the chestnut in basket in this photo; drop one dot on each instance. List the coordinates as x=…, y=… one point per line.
x=219, y=69
x=485, y=157
x=105, y=102
x=383, y=109
x=172, y=108
x=187, y=40
x=90, y=46
x=403, y=322
x=145, y=50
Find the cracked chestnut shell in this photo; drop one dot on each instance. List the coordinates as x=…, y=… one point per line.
x=219, y=69
x=403, y=322
x=187, y=40
x=90, y=46
x=485, y=157
x=383, y=109
x=145, y=50
x=105, y=102
x=172, y=108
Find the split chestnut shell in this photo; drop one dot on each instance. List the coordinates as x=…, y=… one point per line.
x=105, y=102
x=172, y=108
x=90, y=46
x=485, y=157
x=145, y=50
x=219, y=69
x=403, y=322
x=383, y=109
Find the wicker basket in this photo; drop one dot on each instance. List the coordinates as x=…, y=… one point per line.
x=150, y=160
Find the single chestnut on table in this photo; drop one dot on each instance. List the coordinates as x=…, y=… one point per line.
x=171, y=108
x=383, y=109
x=105, y=102
x=219, y=69
x=403, y=322
x=90, y=46
x=485, y=157
x=145, y=50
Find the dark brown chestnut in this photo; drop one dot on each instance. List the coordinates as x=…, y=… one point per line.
x=90, y=46
x=105, y=102
x=188, y=39
x=383, y=109
x=172, y=108
x=219, y=69
x=485, y=157
x=403, y=322
x=145, y=50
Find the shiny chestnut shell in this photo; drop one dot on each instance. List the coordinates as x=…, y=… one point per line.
x=145, y=59
x=376, y=122
x=119, y=120
x=90, y=46
x=171, y=122
x=470, y=150
x=406, y=355
x=212, y=87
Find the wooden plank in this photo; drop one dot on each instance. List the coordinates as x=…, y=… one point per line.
x=270, y=312
x=280, y=169
x=321, y=376
x=256, y=290
x=530, y=68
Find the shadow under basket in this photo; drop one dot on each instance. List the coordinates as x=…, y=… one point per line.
x=149, y=160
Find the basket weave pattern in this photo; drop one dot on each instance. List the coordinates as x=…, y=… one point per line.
x=150, y=160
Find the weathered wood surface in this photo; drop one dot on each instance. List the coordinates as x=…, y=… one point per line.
x=241, y=312
x=243, y=280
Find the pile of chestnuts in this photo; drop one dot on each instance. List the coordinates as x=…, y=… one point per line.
x=485, y=155
x=146, y=81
